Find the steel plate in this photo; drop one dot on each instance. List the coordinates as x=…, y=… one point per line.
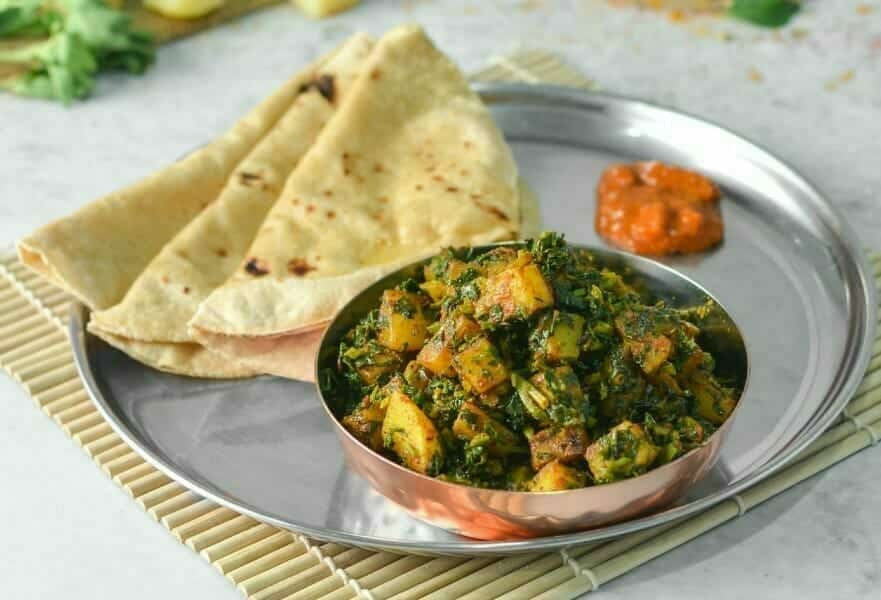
x=789, y=272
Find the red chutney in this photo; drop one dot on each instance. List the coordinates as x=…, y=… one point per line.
x=653, y=208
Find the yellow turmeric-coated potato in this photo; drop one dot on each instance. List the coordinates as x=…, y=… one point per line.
x=556, y=476
x=183, y=9
x=323, y=8
x=404, y=327
x=479, y=366
x=408, y=432
x=515, y=292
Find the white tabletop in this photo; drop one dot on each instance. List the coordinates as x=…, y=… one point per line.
x=811, y=93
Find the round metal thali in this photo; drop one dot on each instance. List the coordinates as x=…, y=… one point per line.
x=789, y=273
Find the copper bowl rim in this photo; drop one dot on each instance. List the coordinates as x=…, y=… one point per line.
x=620, y=485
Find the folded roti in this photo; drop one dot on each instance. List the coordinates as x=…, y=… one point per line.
x=190, y=359
x=155, y=311
x=411, y=163
x=293, y=355
x=96, y=253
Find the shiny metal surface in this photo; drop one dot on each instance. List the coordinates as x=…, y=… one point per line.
x=789, y=273
x=502, y=515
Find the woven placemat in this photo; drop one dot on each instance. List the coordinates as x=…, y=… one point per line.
x=267, y=563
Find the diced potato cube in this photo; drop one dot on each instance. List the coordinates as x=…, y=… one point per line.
x=408, y=432
x=183, y=9
x=690, y=431
x=416, y=376
x=455, y=270
x=373, y=360
x=479, y=366
x=323, y=8
x=714, y=403
x=559, y=385
x=365, y=423
x=557, y=337
x=403, y=326
x=646, y=338
x=555, y=476
x=436, y=355
x=624, y=452
x=435, y=289
x=650, y=353
x=444, y=268
x=460, y=328
x=472, y=421
x=496, y=260
x=516, y=292
x=564, y=444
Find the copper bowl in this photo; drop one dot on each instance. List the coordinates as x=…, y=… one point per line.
x=489, y=514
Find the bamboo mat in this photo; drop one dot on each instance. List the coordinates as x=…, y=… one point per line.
x=267, y=563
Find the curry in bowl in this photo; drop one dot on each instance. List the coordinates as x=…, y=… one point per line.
x=528, y=367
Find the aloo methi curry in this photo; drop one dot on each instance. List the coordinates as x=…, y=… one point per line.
x=528, y=368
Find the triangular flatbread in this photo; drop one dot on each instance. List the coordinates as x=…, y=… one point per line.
x=96, y=253
x=156, y=309
x=293, y=355
x=411, y=163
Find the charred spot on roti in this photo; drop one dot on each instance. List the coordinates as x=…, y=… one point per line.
x=346, y=166
x=438, y=178
x=418, y=187
x=186, y=290
x=251, y=179
x=310, y=208
x=468, y=144
x=324, y=84
x=452, y=189
x=164, y=279
x=494, y=211
x=256, y=267
x=375, y=74
x=221, y=252
x=382, y=199
x=378, y=168
x=328, y=193
x=295, y=201
x=299, y=267
x=330, y=214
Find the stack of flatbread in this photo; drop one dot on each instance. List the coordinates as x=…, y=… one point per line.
x=232, y=261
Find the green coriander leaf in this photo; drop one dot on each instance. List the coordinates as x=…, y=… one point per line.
x=77, y=38
x=766, y=13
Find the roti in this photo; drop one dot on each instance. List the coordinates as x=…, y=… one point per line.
x=96, y=253
x=293, y=355
x=165, y=296
x=412, y=163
